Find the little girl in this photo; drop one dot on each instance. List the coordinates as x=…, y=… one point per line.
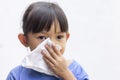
x=44, y=20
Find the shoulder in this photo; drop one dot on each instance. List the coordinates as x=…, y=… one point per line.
x=78, y=71
x=17, y=69
x=14, y=73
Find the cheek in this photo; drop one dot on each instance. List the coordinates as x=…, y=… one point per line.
x=63, y=45
x=33, y=44
x=63, y=49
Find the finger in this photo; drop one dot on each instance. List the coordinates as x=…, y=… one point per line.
x=48, y=57
x=51, y=65
x=56, y=50
x=51, y=51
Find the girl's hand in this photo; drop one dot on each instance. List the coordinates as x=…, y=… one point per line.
x=57, y=63
x=55, y=60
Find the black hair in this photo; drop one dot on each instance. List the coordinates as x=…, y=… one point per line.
x=41, y=15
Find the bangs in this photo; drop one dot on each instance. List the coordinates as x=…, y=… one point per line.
x=40, y=19
x=40, y=16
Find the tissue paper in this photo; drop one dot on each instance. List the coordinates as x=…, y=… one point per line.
x=35, y=59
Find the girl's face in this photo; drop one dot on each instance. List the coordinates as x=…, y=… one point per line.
x=55, y=34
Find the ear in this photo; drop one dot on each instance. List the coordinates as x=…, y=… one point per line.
x=67, y=36
x=23, y=39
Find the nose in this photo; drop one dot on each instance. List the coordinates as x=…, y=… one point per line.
x=56, y=43
x=53, y=40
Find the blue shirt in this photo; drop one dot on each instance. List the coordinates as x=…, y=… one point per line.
x=22, y=73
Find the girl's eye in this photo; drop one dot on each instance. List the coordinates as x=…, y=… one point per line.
x=42, y=37
x=59, y=37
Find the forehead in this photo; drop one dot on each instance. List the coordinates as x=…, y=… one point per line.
x=54, y=28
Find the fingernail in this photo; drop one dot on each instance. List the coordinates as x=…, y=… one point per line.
x=46, y=45
x=43, y=51
x=53, y=44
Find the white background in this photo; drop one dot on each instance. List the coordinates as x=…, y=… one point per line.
x=94, y=41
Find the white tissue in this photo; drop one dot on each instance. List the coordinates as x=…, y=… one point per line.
x=35, y=59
